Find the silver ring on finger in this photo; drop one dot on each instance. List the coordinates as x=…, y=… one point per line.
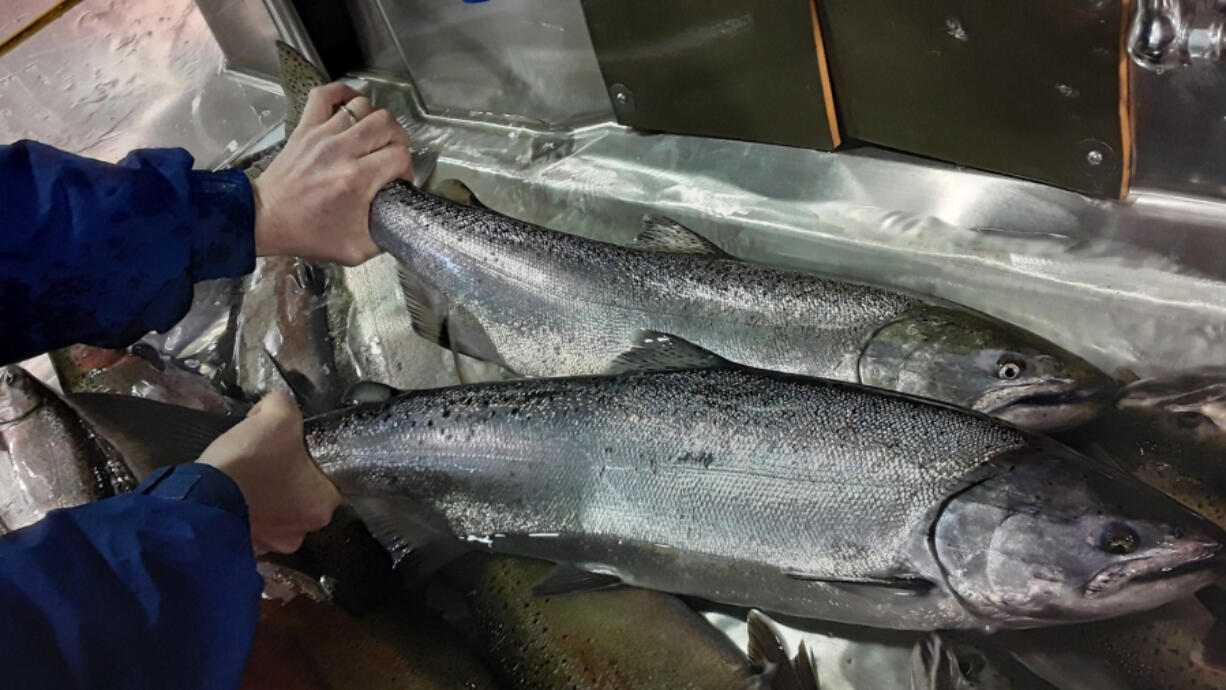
x=353, y=119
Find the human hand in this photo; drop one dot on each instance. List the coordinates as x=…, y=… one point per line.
x=314, y=200
x=265, y=454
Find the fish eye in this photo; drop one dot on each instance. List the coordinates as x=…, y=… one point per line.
x=1118, y=539
x=1009, y=370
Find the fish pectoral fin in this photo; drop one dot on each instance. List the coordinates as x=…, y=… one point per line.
x=909, y=584
x=364, y=392
x=655, y=351
x=167, y=434
x=663, y=234
x=568, y=579
x=298, y=77
x=427, y=317
x=768, y=655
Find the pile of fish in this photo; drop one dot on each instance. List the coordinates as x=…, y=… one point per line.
x=588, y=460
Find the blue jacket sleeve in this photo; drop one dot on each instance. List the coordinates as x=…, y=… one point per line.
x=152, y=589
x=101, y=254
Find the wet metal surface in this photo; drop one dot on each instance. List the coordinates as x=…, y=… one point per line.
x=114, y=75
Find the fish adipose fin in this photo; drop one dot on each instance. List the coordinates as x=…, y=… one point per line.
x=663, y=352
x=911, y=585
x=768, y=654
x=164, y=434
x=453, y=190
x=567, y=579
x=298, y=77
x=662, y=234
x=364, y=392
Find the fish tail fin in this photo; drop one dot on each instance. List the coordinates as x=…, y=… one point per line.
x=140, y=428
x=298, y=77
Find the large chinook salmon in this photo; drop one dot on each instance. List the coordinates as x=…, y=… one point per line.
x=797, y=495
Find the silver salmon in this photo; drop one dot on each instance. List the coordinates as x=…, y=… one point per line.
x=546, y=303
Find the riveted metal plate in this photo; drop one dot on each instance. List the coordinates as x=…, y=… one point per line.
x=1012, y=87
x=735, y=69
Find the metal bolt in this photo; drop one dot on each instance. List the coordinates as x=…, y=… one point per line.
x=1095, y=157
x=623, y=97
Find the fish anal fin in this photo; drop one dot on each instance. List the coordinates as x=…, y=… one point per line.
x=663, y=234
x=467, y=336
x=568, y=579
x=655, y=351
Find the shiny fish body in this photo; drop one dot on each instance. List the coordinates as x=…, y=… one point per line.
x=546, y=303
x=745, y=487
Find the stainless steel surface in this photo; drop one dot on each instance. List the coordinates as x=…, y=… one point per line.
x=245, y=32
x=1179, y=95
x=1171, y=33
x=1136, y=283
x=114, y=75
x=517, y=59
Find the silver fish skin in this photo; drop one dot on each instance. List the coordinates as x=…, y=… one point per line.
x=51, y=459
x=547, y=303
x=796, y=495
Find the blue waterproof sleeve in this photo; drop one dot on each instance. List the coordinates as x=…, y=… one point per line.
x=152, y=589
x=101, y=254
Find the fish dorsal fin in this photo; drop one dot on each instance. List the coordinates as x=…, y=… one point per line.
x=655, y=351
x=426, y=320
x=568, y=579
x=662, y=234
x=298, y=77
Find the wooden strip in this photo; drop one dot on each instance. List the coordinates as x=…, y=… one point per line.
x=827, y=90
x=1126, y=134
x=37, y=24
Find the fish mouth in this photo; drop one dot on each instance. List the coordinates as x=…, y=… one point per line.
x=1168, y=566
x=1050, y=405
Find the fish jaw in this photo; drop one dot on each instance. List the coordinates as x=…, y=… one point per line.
x=1045, y=406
